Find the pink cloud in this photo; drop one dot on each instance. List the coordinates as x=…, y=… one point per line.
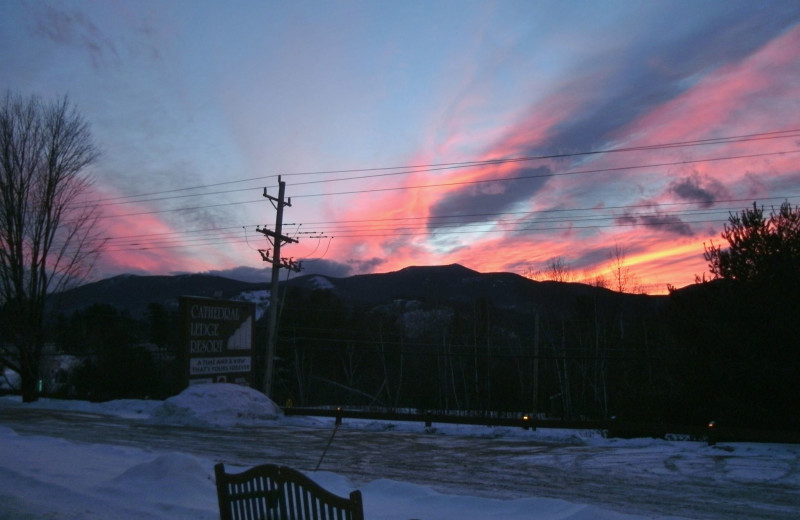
x=759, y=94
x=138, y=241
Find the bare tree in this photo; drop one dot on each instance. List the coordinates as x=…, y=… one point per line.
x=558, y=270
x=622, y=278
x=47, y=235
x=595, y=279
x=532, y=274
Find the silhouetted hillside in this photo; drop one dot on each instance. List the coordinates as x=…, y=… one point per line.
x=450, y=284
x=132, y=294
x=455, y=284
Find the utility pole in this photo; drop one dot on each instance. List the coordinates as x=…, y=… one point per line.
x=276, y=238
x=535, y=398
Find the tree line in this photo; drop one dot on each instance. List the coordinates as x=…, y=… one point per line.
x=724, y=349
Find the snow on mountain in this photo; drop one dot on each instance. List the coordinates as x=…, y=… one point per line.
x=261, y=298
x=322, y=283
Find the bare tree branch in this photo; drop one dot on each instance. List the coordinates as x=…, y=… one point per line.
x=47, y=239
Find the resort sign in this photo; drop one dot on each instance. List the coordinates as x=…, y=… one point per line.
x=218, y=338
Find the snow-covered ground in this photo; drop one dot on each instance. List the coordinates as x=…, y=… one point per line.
x=49, y=477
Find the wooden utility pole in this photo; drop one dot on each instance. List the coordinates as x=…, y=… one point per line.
x=276, y=238
x=535, y=397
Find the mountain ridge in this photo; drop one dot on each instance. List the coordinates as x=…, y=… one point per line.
x=445, y=284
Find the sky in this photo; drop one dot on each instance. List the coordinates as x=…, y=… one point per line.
x=499, y=135
x=46, y=475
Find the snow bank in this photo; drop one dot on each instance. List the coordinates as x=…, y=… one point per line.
x=48, y=477
x=226, y=405
x=128, y=408
x=45, y=478
x=217, y=404
x=169, y=480
x=9, y=380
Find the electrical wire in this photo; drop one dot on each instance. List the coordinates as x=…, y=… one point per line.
x=421, y=225
x=461, y=183
x=443, y=225
x=547, y=175
x=409, y=169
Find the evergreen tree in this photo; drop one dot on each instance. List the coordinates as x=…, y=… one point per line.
x=759, y=249
x=738, y=333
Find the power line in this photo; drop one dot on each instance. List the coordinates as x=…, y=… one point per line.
x=205, y=230
x=464, y=183
x=552, y=210
x=442, y=225
x=409, y=169
x=547, y=175
x=368, y=229
x=492, y=162
x=654, y=207
x=150, y=247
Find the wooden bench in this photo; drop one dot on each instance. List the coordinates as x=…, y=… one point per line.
x=272, y=492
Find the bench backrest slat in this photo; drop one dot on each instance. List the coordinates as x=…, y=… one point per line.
x=272, y=492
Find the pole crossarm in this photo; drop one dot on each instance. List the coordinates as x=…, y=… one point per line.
x=278, y=202
x=276, y=236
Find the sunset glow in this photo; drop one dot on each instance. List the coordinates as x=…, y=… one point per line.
x=497, y=135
